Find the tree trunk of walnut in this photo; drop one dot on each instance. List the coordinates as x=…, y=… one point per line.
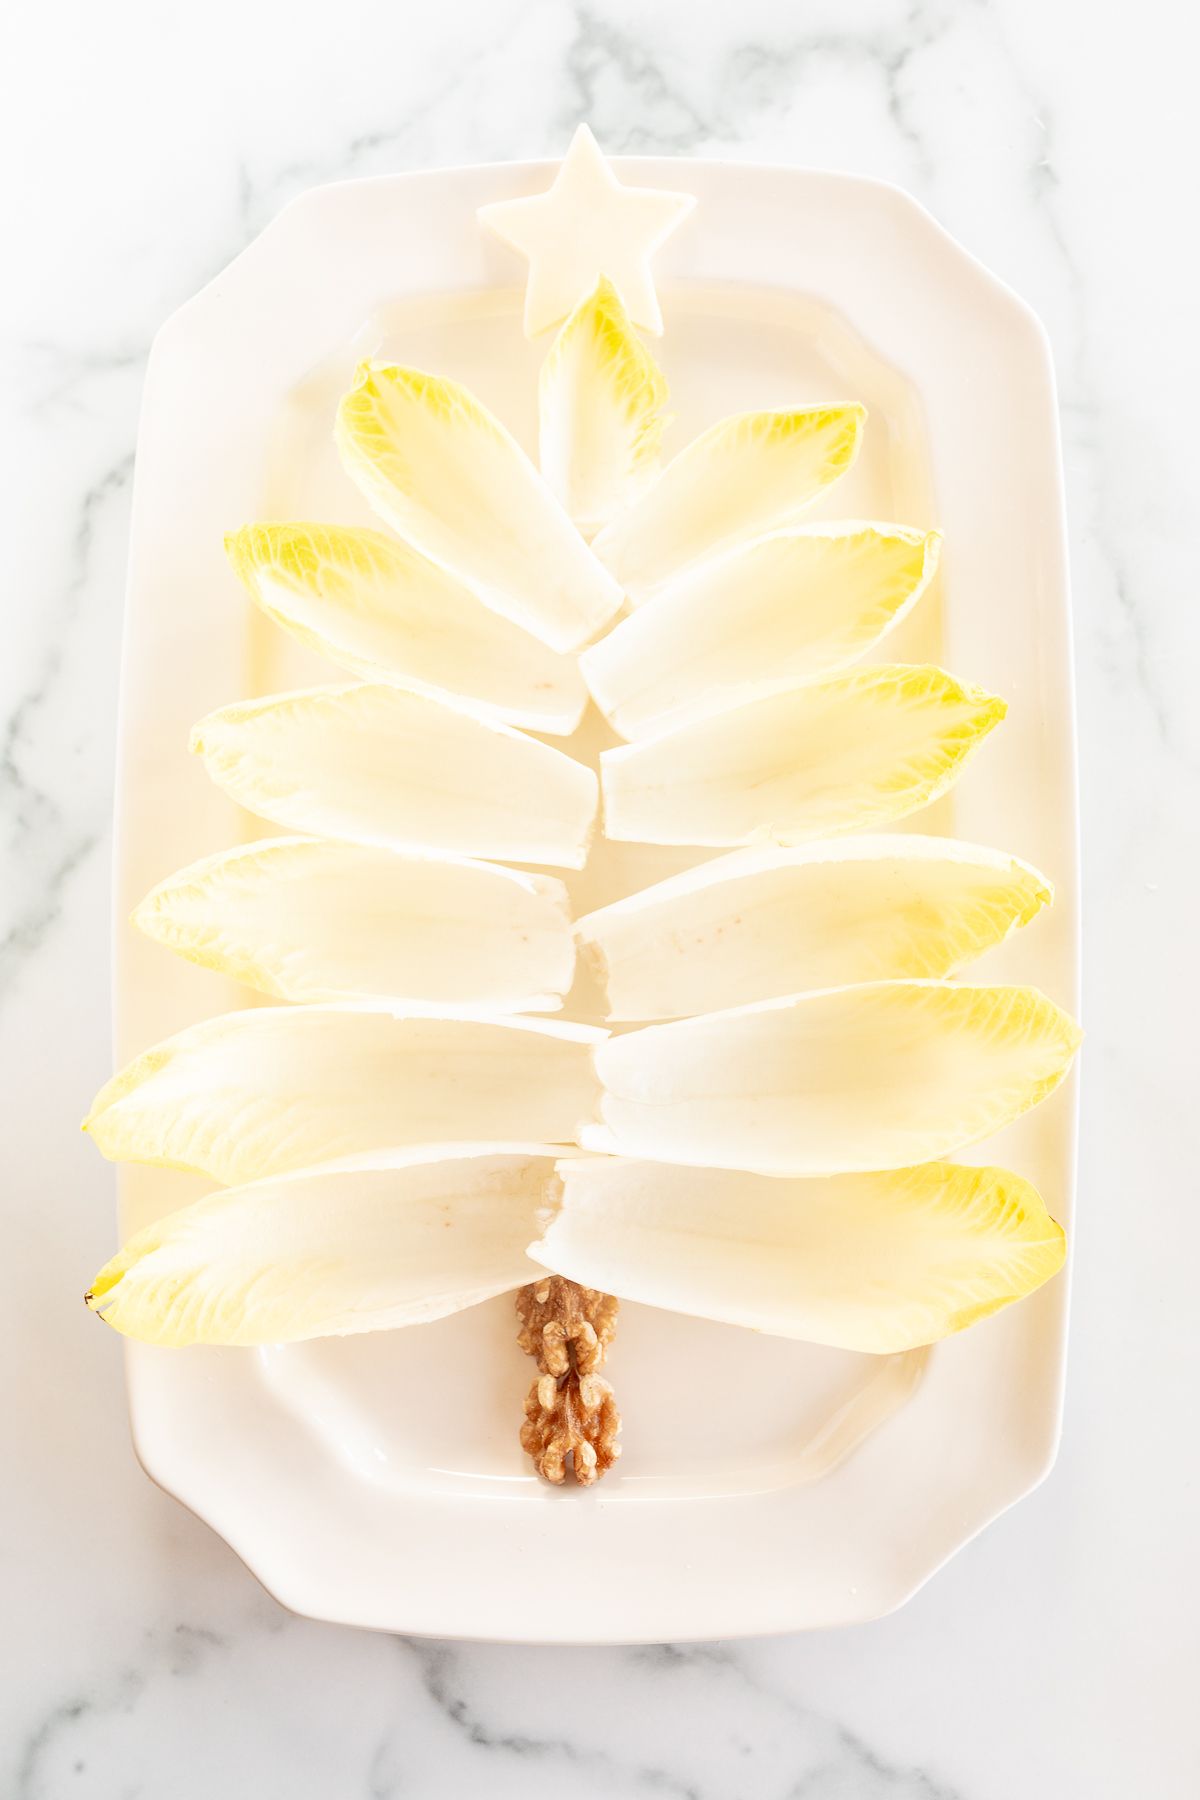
x=569, y=1411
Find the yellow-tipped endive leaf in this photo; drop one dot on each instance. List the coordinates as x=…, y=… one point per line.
x=769, y=615
x=365, y=1245
x=601, y=401
x=760, y=923
x=312, y=919
x=744, y=476
x=379, y=608
x=873, y=1262
x=285, y=1087
x=447, y=476
x=857, y=751
x=380, y=766
x=870, y=1077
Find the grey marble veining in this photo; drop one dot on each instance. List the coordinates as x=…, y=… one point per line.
x=1056, y=1657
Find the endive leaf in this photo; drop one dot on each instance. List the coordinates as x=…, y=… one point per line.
x=741, y=478
x=285, y=1087
x=380, y=766
x=871, y=1262
x=760, y=923
x=365, y=1245
x=766, y=616
x=447, y=476
x=856, y=751
x=377, y=607
x=311, y=919
x=870, y=1077
x=601, y=401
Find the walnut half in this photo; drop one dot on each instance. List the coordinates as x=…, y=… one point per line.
x=569, y=1410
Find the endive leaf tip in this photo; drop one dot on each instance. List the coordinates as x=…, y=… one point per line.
x=989, y=708
x=93, y=1299
x=104, y=1285
x=1067, y=1026
x=105, y=1281
x=148, y=915
x=351, y=407
x=852, y=415
x=606, y=297
x=843, y=422
x=240, y=553
x=1039, y=892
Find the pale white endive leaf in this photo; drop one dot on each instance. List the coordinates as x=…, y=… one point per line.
x=365, y=1245
x=771, y=921
x=379, y=608
x=377, y=765
x=313, y=919
x=858, y=750
x=875, y=1076
x=285, y=1087
x=447, y=476
x=784, y=610
x=871, y=1262
x=601, y=399
x=743, y=477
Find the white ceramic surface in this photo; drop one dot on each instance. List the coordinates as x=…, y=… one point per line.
x=379, y=1482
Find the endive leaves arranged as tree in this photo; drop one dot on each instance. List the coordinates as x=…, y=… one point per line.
x=861, y=749
x=875, y=1076
x=758, y=923
x=741, y=478
x=380, y=766
x=381, y=610
x=391, y=1239
x=447, y=476
x=277, y=1088
x=311, y=919
x=875, y=1262
x=601, y=399
x=767, y=616
x=774, y=1152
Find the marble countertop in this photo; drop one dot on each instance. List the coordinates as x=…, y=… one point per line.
x=1057, y=1656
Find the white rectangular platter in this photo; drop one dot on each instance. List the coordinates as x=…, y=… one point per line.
x=378, y=1480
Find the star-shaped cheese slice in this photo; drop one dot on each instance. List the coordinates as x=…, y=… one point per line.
x=587, y=225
